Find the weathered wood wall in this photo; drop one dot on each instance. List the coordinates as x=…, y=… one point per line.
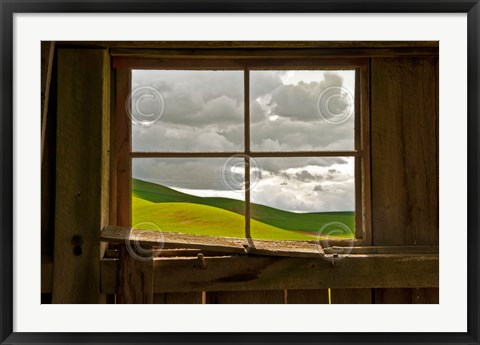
x=404, y=98
x=82, y=156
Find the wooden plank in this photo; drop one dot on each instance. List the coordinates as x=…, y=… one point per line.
x=109, y=276
x=351, y=296
x=47, y=274
x=272, y=53
x=251, y=154
x=167, y=240
x=404, y=157
x=135, y=276
x=245, y=297
x=47, y=54
x=405, y=151
x=311, y=63
x=178, y=298
x=407, y=296
x=48, y=159
x=252, y=44
x=241, y=273
x=114, y=253
x=383, y=250
x=426, y=296
x=122, y=163
x=363, y=225
x=393, y=296
x=81, y=205
x=304, y=296
x=366, y=197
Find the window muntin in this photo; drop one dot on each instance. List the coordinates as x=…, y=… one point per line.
x=361, y=130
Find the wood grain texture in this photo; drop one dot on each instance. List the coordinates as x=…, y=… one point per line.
x=227, y=154
x=202, y=63
x=272, y=53
x=167, y=240
x=405, y=151
x=82, y=147
x=178, y=298
x=122, y=163
x=404, y=157
x=384, y=250
x=307, y=296
x=135, y=276
x=351, y=296
x=242, y=273
x=252, y=44
x=246, y=297
x=407, y=296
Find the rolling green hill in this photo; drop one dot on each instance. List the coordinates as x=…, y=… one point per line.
x=301, y=223
x=204, y=220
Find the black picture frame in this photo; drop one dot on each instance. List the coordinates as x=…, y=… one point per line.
x=9, y=8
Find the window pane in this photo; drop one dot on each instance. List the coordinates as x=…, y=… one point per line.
x=306, y=195
x=190, y=111
x=195, y=196
x=302, y=110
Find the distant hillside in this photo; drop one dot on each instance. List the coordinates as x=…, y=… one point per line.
x=304, y=222
x=206, y=220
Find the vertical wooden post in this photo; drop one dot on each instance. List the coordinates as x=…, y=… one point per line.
x=135, y=278
x=405, y=160
x=81, y=203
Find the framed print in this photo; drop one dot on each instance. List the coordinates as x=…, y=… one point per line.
x=250, y=173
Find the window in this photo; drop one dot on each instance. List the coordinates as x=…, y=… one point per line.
x=274, y=149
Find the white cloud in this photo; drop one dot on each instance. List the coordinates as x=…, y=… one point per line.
x=204, y=112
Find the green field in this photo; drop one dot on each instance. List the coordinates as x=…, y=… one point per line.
x=174, y=211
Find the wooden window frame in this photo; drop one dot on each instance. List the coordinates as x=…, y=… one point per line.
x=276, y=59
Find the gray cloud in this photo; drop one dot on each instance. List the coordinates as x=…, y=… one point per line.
x=304, y=176
x=204, y=112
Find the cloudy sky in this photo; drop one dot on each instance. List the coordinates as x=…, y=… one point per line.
x=203, y=111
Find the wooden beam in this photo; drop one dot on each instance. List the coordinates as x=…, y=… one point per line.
x=405, y=160
x=383, y=250
x=405, y=151
x=252, y=44
x=272, y=53
x=81, y=203
x=247, y=152
x=202, y=63
x=122, y=163
x=135, y=276
x=237, y=273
